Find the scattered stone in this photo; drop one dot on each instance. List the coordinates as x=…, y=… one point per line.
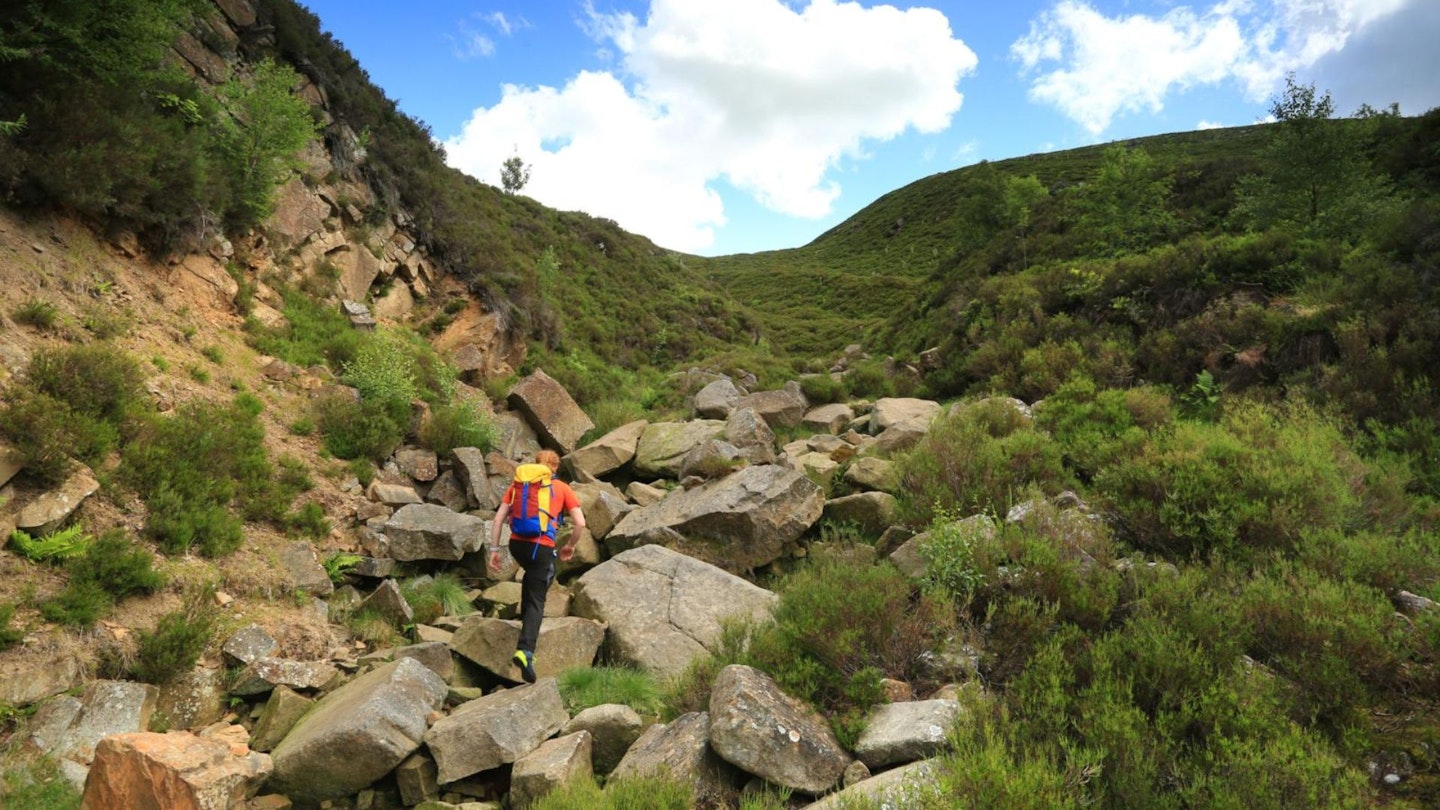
x=550, y=410
x=761, y=730
x=717, y=399
x=419, y=464
x=387, y=601
x=248, y=644
x=424, y=531
x=495, y=730
x=554, y=764
x=176, y=770
x=679, y=750
x=264, y=674
x=563, y=643
x=896, y=733
x=613, y=727
x=303, y=570
x=279, y=714
x=48, y=512
x=609, y=452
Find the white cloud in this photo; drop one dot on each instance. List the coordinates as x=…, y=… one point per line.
x=1209, y=125
x=1110, y=66
x=764, y=96
x=472, y=44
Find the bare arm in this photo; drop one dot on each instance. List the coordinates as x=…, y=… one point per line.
x=497, y=525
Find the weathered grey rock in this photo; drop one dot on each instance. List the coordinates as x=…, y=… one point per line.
x=680, y=751
x=645, y=494
x=303, y=570
x=1025, y=411
x=29, y=678
x=516, y=439
x=474, y=478
x=557, y=420
x=358, y=270
x=563, y=643
x=663, y=445
x=873, y=475
x=448, y=492
x=711, y=459
x=1413, y=603
x=418, y=463
x=554, y=764
x=505, y=596
x=176, y=770
x=495, y=730
x=855, y=774
x=416, y=778
x=603, y=508
x=424, y=531
x=193, y=700
x=613, y=727
x=818, y=467
x=761, y=730
x=905, y=787
x=299, y=212
x=782, y=408
x=387, y=601
x=433, y=654
x=872, y=512
x=744, y=520
x=263, y=674
x=717, y=399
x=358, y=733
x=664, y=609
x=832, y=418
x=373, y=568
x=833, y=446
x=48, y=512
x=70, y=728
x=280, y=714
x=249, y=643
x=748, y=431
x=890, y=411
x=392, y=494
x=896, y=733
x=609, y=452
x=898, y=437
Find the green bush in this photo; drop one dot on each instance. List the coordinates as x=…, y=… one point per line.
x=433, y=597
x=458, y=424
x=586, y=687
x=383, y=371
x=94, y=379
x=820, y=389
x=949, y=553
x=359, y=430
x=978, y=461
x=116, y=564
x=38, y=786
x=1097, y=428
x=46, y=434
x=176, y=643
x=9, y=636
x=80, y=604
x=310, y=521
x=639, y=793
x=311, y=335
x=37, y=313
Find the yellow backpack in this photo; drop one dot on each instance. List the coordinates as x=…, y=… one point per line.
x=541, y=522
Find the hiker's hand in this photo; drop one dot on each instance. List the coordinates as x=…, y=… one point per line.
x=493, y=563
x=566, y=552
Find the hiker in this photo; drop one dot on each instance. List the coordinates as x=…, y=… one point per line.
x=534, y=524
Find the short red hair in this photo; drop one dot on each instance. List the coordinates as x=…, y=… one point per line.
x=549, y=458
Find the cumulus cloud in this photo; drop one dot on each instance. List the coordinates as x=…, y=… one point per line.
x=1114, y=65
x=762, y=95
x=468, y=43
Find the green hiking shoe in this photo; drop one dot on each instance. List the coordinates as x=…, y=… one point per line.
x=526, y=662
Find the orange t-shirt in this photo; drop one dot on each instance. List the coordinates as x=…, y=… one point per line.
x=562, y=500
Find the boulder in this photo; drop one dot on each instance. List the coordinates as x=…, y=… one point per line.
x=897, y=733
x=387, y=600
x=872, y=474
x=613, y=728
x=193, y=700
x=742, y=521
x=645, y=494
x=263, y=674
x=29, y=678
x=554, y=764
x=416, y=779
x=70, y=728
x=872, y=512
x=516, y=440
x=711, y=459
x=890, y=411
x=48, y=512
x=782, y=408
x=746, y=430
x=603, y=507
x=495, y=730
x=279, y=714
x=717, y=399
x=761, y=730
x=392, y=494
x=176, y=771
x=663, y=445
x=448, y=492
x=1024, y=411
x=249, y=643
x=433, y=654
x=358, y=270
x=303, y=570
x=424, y=531
x=550, y=410
x=906, y=786
x=607, y=453
x=418, y=463
x=358, y=733
x=899, y=437
x=832, y=418
x=679, y=751
x=563, y=643
x=664, y=609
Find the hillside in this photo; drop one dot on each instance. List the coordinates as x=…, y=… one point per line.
x=1143, y=506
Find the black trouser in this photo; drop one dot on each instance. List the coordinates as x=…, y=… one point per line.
x=539, y=564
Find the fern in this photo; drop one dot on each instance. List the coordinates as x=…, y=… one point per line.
x=55, y=547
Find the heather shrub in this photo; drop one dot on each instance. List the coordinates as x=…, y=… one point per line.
x=359, y=430
x=176, y=643
x=458, y=424
x=116, y=564
x=8, y=635
x=978, y=461
x=637, y=793
x=1055, y=557
x=1098, y=427
x=1255, y=482
x=46, y=434
x=93, y=379
x=37, y=313
x=989, y=768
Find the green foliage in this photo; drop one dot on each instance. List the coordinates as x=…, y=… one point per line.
x=311, y=335
x=462, y=423
x=116, y=564
x=949, y=553
x=978, y=461
x=338, y=564
x=383, y=371
x=265, y=125
x=431, y=597
x=1125, y=207
x=37, y=313
x=1316, y=175
x=38, y=785
x=213, y=354
x=636, y=793
x=54, y=547
x=94, y=379
x=176, y=643
x=9, y=636
x=80, y=604
x=358, y=430
x=585, y=687
x=309, y=520
x=514, y=174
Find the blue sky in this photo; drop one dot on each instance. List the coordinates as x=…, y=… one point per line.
x=732, y=126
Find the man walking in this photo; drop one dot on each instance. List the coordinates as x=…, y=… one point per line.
x=535, y=508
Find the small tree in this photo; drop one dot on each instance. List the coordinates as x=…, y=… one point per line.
x=1126, y=205
x=1020, y=196
x=514, y=174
